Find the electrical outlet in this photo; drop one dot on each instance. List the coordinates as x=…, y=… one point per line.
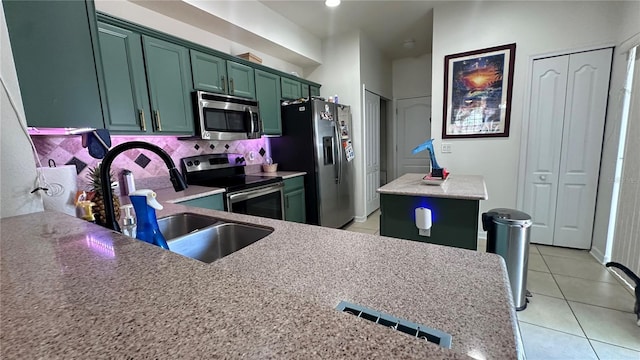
x=445, y=148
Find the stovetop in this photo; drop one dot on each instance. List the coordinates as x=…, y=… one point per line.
x=222, y=171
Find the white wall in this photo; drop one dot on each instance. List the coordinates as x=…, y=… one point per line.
x=412, y=77
x=375, y=69
x=143, y=16
x=536, y=28
x=340, y=74
x=261, y=20
x=376, y=77
x=17, y=164
x=629, y=25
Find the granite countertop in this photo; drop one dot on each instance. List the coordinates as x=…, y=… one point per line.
x=283, y=174
x=73, y=289
x=467, y=187
x=171, y=196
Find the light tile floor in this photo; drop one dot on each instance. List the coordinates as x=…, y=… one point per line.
x=578, y=310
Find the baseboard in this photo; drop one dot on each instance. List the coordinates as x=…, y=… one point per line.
x=360, y=219
x=598, y=255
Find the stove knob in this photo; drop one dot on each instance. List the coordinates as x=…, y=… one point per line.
x=189, y=163
x=238, y=160
x=196, y=163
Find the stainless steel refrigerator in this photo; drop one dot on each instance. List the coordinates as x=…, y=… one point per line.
x=316, y=139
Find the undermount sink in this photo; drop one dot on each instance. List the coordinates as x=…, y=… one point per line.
x=184, y=223
x=207, y=238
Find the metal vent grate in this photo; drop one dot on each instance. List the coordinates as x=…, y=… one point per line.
x=420, y=331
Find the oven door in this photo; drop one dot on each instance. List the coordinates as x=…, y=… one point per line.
x=265, y=201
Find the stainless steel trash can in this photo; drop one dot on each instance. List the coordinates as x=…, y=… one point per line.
x=508, y=233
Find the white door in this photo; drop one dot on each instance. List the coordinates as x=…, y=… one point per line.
x=372, y=149
x=585, y=110
x=567, y=112
x=413, y=128
x=548, y=90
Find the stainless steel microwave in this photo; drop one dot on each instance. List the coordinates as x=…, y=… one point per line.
x=222, y=117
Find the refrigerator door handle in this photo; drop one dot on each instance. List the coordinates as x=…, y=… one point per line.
x=339, y=151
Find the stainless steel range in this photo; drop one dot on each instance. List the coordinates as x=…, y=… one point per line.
x=244, y=194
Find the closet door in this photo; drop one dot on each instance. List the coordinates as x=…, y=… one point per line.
x=584, y=115
x=548, y=90
x=566, y=125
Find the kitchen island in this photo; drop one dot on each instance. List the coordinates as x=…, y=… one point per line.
x=454, y=206
x=71, y=289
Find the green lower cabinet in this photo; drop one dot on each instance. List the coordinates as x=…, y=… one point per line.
x=170, y=86
x=268, y=96
x=241, y=80
x=125, y=82
x=454, y=221
x=211, y=202
x=314, y=91
x=294, y=201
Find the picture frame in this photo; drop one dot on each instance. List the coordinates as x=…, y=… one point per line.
x=477, y=92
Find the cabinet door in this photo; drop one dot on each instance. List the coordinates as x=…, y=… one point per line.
x=212, y=202
x=294, y=203
x=305, y=90
x=125, y=81
x=209, y=72
x=290, y=89
x=241, y=80
x=169, y=79
x=52, y=43
x=314, y=91
x=268, y=95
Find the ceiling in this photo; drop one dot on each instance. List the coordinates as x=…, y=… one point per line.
x=387, y=23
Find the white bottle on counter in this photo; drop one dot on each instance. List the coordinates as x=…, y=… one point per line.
x=129, y=222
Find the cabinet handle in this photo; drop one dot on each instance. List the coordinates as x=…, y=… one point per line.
x=224, y=84
x=158, y=122
x=286, y=202
x=231, y=87
x=143, y=124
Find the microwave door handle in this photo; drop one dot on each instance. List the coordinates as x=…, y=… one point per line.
x=253, y=130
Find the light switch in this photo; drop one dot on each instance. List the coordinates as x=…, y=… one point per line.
x=445, y=148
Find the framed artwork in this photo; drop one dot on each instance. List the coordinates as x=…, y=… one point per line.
x=477, y=93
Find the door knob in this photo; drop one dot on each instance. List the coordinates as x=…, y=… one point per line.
x=543, y=177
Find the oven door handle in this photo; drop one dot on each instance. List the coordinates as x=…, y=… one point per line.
x=254, y=193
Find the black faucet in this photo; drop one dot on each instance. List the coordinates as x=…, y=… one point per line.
x=105, y=178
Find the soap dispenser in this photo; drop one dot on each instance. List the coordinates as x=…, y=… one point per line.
x=145, y=205
x=129, y=223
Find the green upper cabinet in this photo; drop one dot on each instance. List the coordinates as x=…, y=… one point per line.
x=305, y=90
x=291, y=89
x=314, y=91
x=209, y=72
x=268, y=95
x=57, y=65
x=170, y=86
x=241, y=80
x=125, y=82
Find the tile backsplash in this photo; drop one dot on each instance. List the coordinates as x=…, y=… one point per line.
x=68, y=150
